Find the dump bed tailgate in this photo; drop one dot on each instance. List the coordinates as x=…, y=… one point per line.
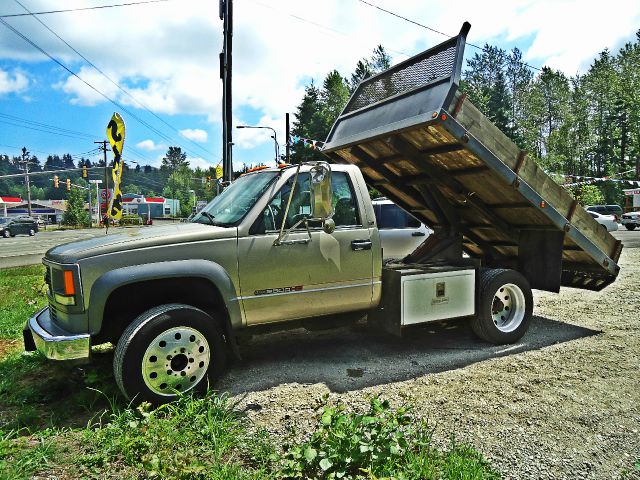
x=422, y=143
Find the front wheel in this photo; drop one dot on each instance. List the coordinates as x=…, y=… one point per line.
x=630, y=226
x=32, y=232
x=504, y=308
x=168, y=350
x=6, y=233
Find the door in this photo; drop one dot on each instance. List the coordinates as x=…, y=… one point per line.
x=400, y=233
x=324, y=274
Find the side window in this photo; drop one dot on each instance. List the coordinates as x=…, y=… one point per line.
x=300, y=207
x=344, y=201
x=390, y=216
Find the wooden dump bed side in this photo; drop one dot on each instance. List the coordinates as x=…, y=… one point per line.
x=419, y=141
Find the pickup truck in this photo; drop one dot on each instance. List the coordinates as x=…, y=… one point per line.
x=299, y=245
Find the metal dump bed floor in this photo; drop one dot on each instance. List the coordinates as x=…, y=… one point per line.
x=419, y=141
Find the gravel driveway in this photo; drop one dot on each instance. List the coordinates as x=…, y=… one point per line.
x=562, y=403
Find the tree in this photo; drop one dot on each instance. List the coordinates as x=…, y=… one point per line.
x=178, y=187
x=174, y=159
x=75, y=214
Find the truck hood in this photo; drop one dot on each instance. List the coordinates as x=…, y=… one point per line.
x=134, y=238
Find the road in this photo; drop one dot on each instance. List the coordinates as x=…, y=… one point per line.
x=24, y=250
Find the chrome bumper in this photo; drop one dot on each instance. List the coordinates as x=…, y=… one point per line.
x=55, y=343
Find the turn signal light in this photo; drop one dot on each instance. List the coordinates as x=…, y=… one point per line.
x=69, y=286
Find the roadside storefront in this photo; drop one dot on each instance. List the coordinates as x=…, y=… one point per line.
x=50, y=211
x=8, y=202
x=149, y=207
x=632, y=200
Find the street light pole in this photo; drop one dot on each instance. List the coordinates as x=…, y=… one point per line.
x=274, y=136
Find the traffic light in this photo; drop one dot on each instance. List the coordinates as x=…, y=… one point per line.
x=68, y=184
x=56, y=181
x=209, y=183
x=85, y=174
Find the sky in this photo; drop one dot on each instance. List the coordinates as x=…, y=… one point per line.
x=159, y=61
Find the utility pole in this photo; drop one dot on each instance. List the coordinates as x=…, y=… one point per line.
x=97, y=182
x=27, y=183
x=286, y=137
x=226, y=15
x=103, y=147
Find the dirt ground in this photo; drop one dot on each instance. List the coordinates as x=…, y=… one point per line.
x=562, y=403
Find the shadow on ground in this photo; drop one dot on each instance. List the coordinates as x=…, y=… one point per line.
x=35, y=393
x=352, y=359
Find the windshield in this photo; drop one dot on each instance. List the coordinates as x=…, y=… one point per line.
x=236, y=200
x=4, y=220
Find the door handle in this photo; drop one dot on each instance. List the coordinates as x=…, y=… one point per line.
x=357, y=245
x=418, y=234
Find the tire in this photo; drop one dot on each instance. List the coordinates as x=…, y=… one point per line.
x=505, y=306
x=6, y=234
x=32, y=232
x=630, y=226
x=166, y=350
x=605, y=227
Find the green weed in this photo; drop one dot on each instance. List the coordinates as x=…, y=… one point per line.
x=382, y=443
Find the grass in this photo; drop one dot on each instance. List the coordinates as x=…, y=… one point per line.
x=69, y=421
x=22, y=293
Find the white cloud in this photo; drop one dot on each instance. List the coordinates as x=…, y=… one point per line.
x=166, y=54
x=149, y=146
x=14, y=82
x=195, y=134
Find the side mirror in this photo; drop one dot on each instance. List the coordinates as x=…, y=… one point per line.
x=329, y=226
x=321, y=191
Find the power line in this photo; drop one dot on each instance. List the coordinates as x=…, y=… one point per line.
x=66, y=68
x=110, y=79
x=319, y=25
x=397, y=15
x=97, y=7
x=59, y=131
x=50, y=127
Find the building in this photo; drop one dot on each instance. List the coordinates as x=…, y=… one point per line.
x=632, y=199
x=149, y=207
x=49, y=210
x=8, y=202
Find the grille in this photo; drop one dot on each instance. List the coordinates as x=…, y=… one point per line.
x=47, y=278
x=417, y=72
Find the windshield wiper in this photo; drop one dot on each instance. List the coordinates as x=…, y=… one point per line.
x=209, y=217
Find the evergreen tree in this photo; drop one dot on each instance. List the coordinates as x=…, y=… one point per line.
x=174, y=159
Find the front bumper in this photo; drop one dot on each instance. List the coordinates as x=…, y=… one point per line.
x=42, y=334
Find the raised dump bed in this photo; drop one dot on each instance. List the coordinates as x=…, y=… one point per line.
x=422, y=143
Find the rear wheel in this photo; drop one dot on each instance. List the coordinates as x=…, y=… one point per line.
x=168, y=350
x=32, y=232
x=6, y=234
x=505, y=306
x=630, y=226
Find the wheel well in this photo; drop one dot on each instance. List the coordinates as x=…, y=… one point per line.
x=127, y=302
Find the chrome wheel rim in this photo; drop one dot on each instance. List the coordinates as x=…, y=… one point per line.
x=508, y=308
x=175, y=361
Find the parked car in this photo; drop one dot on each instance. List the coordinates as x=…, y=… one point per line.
x=400, y=232
x=615, y=210
x=631, y=220
x=10, y=227
x=609, y=222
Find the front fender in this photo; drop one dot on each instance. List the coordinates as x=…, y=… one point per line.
x=113, y=279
